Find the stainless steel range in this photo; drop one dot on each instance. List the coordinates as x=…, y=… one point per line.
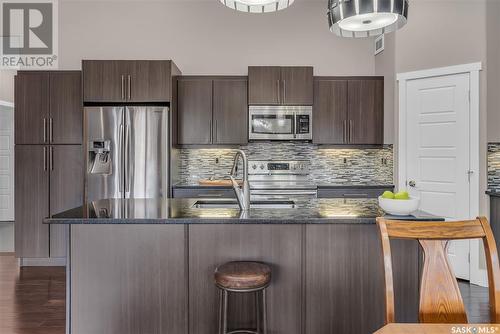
x=280, y=180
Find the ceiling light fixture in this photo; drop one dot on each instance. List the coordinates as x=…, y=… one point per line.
x=365, y=18
x=257, y=6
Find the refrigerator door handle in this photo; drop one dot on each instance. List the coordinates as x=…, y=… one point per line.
x=126, y=158
x=120, y=177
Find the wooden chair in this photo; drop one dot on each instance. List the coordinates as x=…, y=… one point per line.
x=440, y=298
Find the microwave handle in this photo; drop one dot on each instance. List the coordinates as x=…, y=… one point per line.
x=294, y=125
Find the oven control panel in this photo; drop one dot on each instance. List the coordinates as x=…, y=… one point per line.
x=278, y=167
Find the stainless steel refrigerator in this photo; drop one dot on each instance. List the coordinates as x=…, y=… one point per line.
x=127, y=153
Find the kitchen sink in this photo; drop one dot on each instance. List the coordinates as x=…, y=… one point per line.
x=233, y=204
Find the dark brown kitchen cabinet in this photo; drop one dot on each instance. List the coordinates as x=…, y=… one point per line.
x=127, y=80
x=31, y=182
x=31, y=107
x=212, y=111
x=230, y=111
x=348, y=111
x=274, y=85
x=194, y=111
x=366, y=111
x=66, y=189
x=48, y=107
x=48, y=180
x=330, y=112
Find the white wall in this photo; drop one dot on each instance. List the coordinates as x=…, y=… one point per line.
x=7, y=85
x=493, y=62
x=205, y=37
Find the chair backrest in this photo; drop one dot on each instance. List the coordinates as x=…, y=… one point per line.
x=440, y=298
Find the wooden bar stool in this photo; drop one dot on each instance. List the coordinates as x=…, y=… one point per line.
x=243, y=277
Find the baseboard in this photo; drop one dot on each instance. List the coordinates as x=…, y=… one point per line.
x=42, y=262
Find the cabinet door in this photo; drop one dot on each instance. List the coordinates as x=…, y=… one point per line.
x=297, y=86
x=31, y=182
x=366, y=111
x=66, y=114
x=230, y=109
x=104, y=80
x=149, y=81
x=194, y=111
x=264, y=85
x=66, y=189
x=31, y=108
x=330, y=112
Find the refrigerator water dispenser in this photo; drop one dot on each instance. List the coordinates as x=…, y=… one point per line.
x=100, y=157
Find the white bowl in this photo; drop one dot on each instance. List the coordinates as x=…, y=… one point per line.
x=399, y=207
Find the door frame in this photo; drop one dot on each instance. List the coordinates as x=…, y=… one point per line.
x=477, y=275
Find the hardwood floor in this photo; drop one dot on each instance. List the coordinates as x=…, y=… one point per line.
x=32, y=299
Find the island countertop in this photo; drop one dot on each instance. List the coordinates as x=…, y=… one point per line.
x=182, y=211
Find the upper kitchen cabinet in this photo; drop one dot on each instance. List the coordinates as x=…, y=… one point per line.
x=274, y=85
x=127, y=80
x=48, y=107
x=365, y=101
x=348, y=111
x=212, y=111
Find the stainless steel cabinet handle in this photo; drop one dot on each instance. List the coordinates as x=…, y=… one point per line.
x=123, y=86
x=215, y=131
x=44, y=130
x=211, y=131
x=284, y=92
x=51, y=130
x=129, y=86
x=279, y=91
x=344, y=134
x=51, y=158
x=351, y=130
x=44, y=158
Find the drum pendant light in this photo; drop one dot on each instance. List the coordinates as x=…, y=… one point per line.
x=257, y=6
x=365, y=18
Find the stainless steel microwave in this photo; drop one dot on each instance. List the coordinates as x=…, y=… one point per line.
x=280, y=123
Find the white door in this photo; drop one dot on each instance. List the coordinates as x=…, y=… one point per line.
x=6, y=163
x=438, y=153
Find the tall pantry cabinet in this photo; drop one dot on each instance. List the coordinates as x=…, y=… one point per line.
x=48, y=158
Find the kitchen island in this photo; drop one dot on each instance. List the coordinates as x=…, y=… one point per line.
x=146, y=266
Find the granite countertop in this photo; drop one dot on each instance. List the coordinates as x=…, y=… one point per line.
x=181, y=211
x=320, y=186
x=494, y=193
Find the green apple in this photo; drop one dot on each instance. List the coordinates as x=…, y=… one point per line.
x=388, y=194
x=402, y=195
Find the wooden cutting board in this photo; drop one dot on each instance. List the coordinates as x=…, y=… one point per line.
x=205, y=182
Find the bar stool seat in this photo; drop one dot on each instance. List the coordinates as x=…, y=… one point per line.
x=243, y=275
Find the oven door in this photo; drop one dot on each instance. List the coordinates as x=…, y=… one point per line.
x=271, y=124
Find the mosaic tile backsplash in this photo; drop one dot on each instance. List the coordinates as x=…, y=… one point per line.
x=328, y=166
x=494, y=166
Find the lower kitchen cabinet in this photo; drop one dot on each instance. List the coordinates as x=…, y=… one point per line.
x=48, y=180
x=345, y=279
x=278, y=245
x=495, y=217
x=31, y=183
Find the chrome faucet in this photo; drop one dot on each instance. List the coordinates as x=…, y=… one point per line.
x=243, y=192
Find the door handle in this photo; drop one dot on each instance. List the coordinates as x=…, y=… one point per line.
x=412, y=183
x=51, y=131
x=123, y=86
x=129, y=86
x=51, y=157
x=44, y=130
x=45, y=158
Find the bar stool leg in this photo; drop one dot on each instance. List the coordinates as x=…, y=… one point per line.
x=264, y=311
x=257, y=312
x=220, y=310
x=224, y=314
